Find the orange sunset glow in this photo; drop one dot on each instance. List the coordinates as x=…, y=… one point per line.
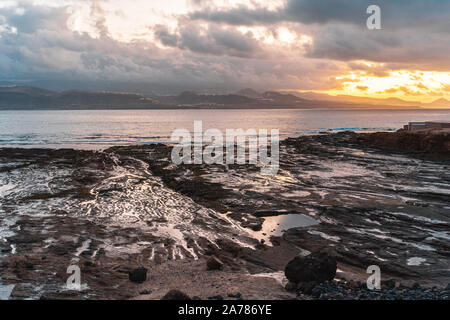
x=424, y=86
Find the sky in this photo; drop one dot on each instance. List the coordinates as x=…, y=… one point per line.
x=164, y=47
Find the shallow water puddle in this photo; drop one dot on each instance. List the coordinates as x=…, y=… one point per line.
x=277, y=225
x=5, y=291
x=277, y=276
x=415, y=261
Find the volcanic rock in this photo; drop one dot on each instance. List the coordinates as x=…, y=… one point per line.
x=316, y=267
x=138, y=275
x=175, y=295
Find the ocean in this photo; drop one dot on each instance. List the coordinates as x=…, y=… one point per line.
x=99, y=129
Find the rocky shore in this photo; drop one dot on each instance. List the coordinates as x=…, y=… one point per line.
x=225, y=231
x=429, y=142
x=344, y=290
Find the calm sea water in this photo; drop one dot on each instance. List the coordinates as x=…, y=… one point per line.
x=98, y=129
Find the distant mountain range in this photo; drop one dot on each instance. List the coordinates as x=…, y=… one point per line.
x=23, y=97
x=18, y=97
x=364, y=101
x=358, y=100
x=440, y=103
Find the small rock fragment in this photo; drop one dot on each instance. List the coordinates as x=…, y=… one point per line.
x=138, y=275
x=145, y=292
x=214, y=263
x=175, y=295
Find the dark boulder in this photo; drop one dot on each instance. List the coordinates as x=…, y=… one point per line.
x=317, y=267
x=176, y=295
x=290, y=286
x=306, y=287
x=138, y=275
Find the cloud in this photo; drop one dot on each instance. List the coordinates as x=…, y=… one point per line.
x=362, y=88
x=414, y=32
x=210, y=41
x=241, y=16
x=407, y=48
x=420, y=85
x=194, y=58
x=46, y=52
x=391, y=90
x=377, y=70
x=409, y=92
x=396, y=14
x=163, y=34
x=45, y=43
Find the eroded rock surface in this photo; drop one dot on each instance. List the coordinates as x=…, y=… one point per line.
x=113, y=211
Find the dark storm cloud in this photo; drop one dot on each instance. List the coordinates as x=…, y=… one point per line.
x=33, y=18
x=376, y=70
x=44, y=52
x=396, y=13
x=163, y=34
x=415, y=33
x=52, y=52
x=212, y=40
x=205, y=49
x=218, y=42
x=407, y=48
x=240, y=16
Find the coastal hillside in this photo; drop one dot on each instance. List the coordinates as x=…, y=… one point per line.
x=25, y=97
x=17, y=97
x=427, y=142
